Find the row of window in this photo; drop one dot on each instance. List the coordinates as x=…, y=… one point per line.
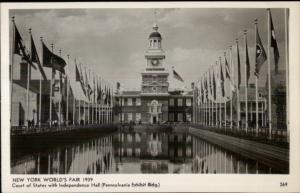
x=172, y=102
x=130, y=152
x=129, y=117
x=179, y=102
x=179, y=117
x=136, y=117
x=130, y=102
x=137, y=152
x=130, y=137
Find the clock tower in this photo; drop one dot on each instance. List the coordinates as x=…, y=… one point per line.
x=155, y=76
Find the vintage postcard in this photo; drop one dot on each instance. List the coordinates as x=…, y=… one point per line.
x=150, y=97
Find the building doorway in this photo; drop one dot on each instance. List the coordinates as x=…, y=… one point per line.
x=154, y=119
x=154, y=110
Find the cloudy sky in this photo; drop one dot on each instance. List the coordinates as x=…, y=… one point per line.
x=112, y=42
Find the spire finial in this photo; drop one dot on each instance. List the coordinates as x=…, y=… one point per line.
x=155, y=26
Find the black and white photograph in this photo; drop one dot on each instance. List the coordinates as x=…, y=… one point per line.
x=148, y=90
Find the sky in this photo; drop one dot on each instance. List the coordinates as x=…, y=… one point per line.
x=111, y=43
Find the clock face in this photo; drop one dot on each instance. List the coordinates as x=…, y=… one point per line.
x=154, y=62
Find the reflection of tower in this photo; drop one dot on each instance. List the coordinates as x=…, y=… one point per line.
x=154, y=145
x=155, y=77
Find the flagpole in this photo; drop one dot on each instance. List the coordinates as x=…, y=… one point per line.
x=225, y=102
x=27, y=89
x=67, y=111
x=216, y=93
x=238, y=91
x=40, y=97
x=231, y=85
x=204, y=100
x=93, y=101
x=51, y=89
x=194, y=111
x=11, y=66
x=74, y=108
x=269, y=78
x=60, y=96
x=89, y=101
x=84, y=110
x=220, y=107
x=246, y=84
x=256, y=80
x=286, y=15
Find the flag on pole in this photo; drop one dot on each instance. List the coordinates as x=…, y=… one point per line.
x=214, y=85
x=274, y=44
x=202, y=91
x=51, y=60
x=34, y=57
x=227, y=68
x=260, y=54
x=99, y=93
x=210, y=83
x=77, y=75
x=81, y=80
x=19, y=47
x=247, y=64
x=177, y=76
x=206, y=88
x=222, y=80
x=238, y=64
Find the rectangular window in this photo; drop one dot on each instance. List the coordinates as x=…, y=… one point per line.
x=137, y=152
x=137, y=117
x=129, y=117
x=188, y=102
x=171, y=102
x=188, y=152
x=129, y=101
x=138, y=101
x=171, y=117
x=179, y=152
x=179, y=117
x=129, y=152
x=137, y=137
x=129, y=137
x=188, y=117
x=179, y=102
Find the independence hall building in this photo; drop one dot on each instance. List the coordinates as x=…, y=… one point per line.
x=154, y=103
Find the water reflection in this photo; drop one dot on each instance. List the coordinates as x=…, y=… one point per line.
x=138, y=152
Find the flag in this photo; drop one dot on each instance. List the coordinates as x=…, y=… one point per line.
x=247, y=64
x=78, y=78
x=222, y=80
x=81, y=80
x=260, y=54
x=177, y=76
x=202, y=91
x=19, y=47
x=274, y=44
x=227, y=69
x=214, y=85
x=35, y=58
x=51, y=60
x=206, y=88
x=99, y=93
x=87, y=86
x=210, y=84
x=239, y=64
